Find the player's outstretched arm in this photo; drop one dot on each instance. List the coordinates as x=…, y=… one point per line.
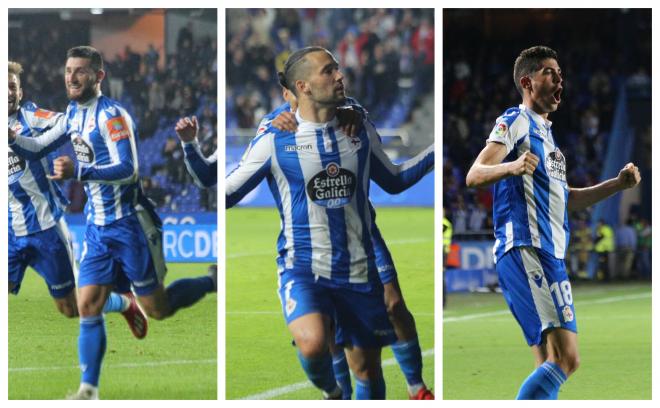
x=254, y=166
x=581, y=198
x=488, y=167
x=395, y=178
x=204, y=171
x=34, y=148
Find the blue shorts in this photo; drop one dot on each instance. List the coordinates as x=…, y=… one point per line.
x=50, y=253
x=360, y=317
x=127, y=250
x=536, y=288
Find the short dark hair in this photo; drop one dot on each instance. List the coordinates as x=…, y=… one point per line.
x=294, y=67
x=529, y=61
x=90, y=53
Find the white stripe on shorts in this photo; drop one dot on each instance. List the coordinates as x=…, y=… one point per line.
x=545, y=306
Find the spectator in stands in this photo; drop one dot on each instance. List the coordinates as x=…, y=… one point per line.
x=626, y=245
x=604, y=248
x=644, y=248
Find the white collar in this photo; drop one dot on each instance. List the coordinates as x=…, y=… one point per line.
x=305, y=124
x=90, y=102
x=537, y=118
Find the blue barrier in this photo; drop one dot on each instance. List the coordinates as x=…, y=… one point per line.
x=477, y=269
x=189, y=241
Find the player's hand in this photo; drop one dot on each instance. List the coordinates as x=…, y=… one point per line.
x=12, y=135
x=629, y=176
x=350, y=120
x=285, y=121
x=187, y=128
x=525, y=164
x=62, y=168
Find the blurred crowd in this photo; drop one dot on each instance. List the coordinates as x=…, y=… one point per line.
x=384, y=54
x=155, y=88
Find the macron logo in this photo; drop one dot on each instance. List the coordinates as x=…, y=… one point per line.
x=296, y=148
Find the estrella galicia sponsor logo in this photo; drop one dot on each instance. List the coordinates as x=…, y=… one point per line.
x=555, y=165
x=17, y=166
x=297, y=148
x=332, y=187
x=84, y=152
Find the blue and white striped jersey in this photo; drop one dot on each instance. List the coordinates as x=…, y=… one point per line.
x=35, y=202
x=204, y=170
x=104, y=140
x=319, y=178
x=530, y=210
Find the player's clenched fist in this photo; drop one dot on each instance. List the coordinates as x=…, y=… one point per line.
x=186, y=129
x=62, y=168
x=525, y=164
x=629, y=176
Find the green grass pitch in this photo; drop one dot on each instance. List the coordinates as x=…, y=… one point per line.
x=260, y=361
x=177, y=359
x=486, y=357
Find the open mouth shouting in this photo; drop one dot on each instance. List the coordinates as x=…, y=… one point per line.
x=557, y=95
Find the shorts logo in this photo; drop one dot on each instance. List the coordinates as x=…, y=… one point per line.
x=118, y=129
x=332, y=187
x=62, y=285
x=555, y=165
x=17, y=167
x=568, y=314
x=84, y=152
x=290, y=306
x=140, y=284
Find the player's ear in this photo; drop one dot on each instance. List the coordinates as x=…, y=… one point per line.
x=100, y=75
x=526, y=83
x=301, y=87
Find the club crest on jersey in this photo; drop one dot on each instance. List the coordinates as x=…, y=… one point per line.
x=84, y=152
x=118, y=129
x=568, y=314
x=17, y=128
x=17, y=167
x=332, y=187
x=555, y=165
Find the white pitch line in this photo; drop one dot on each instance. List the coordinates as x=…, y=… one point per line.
x=279, y=312
x=276, y=392
x=120, y=365
x=274, y=253
x=579, y=303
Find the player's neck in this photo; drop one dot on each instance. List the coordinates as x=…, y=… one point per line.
x=87, y=101
x=535, y=108
x=317, y=114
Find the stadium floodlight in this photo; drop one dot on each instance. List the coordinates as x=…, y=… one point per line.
x=96, y=11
